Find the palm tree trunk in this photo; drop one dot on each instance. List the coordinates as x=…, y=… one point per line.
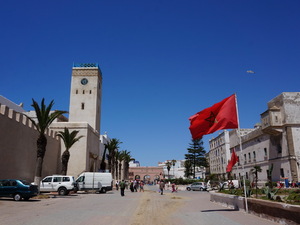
x=64, y=162
x=117, y=167
x=120, y=168
x=41, y=149
x=103, y=164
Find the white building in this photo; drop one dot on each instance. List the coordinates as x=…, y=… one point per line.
x=276, y=142
x=178, y=170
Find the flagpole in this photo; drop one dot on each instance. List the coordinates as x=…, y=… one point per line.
x=241, y=148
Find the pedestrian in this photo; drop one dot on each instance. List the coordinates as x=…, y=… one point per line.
x=131, y=186
x=142, y=186
x=174, y=188
x=135, y=185
x=161, y=187
x=117, y=185
x=122, y=187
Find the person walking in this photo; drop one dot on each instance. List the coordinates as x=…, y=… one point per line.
x=122, y=187
x=142, y=186
x=161, y=187
x=131, y=186
x=117, y=185
x=174, y=188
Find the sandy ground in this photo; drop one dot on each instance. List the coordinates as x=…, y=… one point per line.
x=156, y=209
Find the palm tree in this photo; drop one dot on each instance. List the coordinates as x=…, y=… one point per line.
x=44, y=120
x=121, y=159
x=69, y=139
x=117, y=156
x=127, y=158
x=173, y=164
x=168, y=164
x=103, y=164
x=112, y=146
x=255, y=170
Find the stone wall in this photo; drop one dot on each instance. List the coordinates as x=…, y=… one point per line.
x=18, y=147
x=274, y=211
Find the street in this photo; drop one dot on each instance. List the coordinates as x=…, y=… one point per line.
x=149, y=207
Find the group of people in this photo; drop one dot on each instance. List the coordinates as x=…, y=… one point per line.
x=162, y=187
x=137, y=185
x=134, y=186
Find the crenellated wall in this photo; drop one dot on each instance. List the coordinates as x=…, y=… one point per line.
x=18, y=148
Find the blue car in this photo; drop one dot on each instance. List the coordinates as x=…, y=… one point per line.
x=17, y=189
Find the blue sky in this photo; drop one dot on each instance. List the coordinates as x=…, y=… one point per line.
x=162, y=61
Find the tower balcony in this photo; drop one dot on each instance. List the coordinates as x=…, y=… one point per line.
x=271, y=121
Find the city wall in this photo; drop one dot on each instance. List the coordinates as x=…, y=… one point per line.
x=18, y=147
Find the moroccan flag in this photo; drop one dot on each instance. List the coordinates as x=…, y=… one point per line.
x=232, y=162
x=221, y=115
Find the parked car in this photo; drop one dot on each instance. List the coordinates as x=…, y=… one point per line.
x=197, y=186
x=58, y=183
x=17, y=189
x=102, y=182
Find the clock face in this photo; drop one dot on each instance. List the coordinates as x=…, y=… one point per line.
x=84, y=81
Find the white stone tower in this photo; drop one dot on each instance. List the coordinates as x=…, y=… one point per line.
x=86, y=92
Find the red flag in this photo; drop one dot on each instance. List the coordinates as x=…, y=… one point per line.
x=221, y=115
x=232, y=162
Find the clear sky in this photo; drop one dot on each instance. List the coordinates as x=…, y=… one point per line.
x=162, y=61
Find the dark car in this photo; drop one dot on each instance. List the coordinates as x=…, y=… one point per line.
x=17, y=189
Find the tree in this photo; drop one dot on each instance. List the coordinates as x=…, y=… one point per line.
x=44, y=120
x=127, y=158
x=269, y=175
x=173, y=164
x=168, y=164
x=255, y=170
x=69, y=139
x=117, y=158
x=188, y=168
x=196, y=155
x=121, y=159
x=112, y=146
x=103, y=163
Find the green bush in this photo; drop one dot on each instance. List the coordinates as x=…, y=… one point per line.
x=181, y=181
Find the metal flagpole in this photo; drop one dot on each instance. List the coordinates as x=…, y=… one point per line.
x=241, y=148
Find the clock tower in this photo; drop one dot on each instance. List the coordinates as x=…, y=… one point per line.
x=86, y=92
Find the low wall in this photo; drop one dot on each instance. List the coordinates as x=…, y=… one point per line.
x=275, y=211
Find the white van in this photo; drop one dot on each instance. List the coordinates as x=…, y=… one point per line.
x=101, y=182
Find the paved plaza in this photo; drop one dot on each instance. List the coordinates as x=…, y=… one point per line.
x=149, y=207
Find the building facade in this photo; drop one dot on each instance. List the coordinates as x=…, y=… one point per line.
x=274, y=145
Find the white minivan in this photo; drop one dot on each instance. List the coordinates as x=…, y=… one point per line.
x=101, y=182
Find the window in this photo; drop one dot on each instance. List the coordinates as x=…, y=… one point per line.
x=249, y=155
x=90, y=91
x=83, y=92
x=66, y=179
x=76, y=92
x=254, y=156
x=265, y=151
x=279, y=149
x=57, y=179
x=47, y=179
x=281, y=172
x=82, y=106
x=80, y=179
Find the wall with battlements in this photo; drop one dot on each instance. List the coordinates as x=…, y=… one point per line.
x=18, y=147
